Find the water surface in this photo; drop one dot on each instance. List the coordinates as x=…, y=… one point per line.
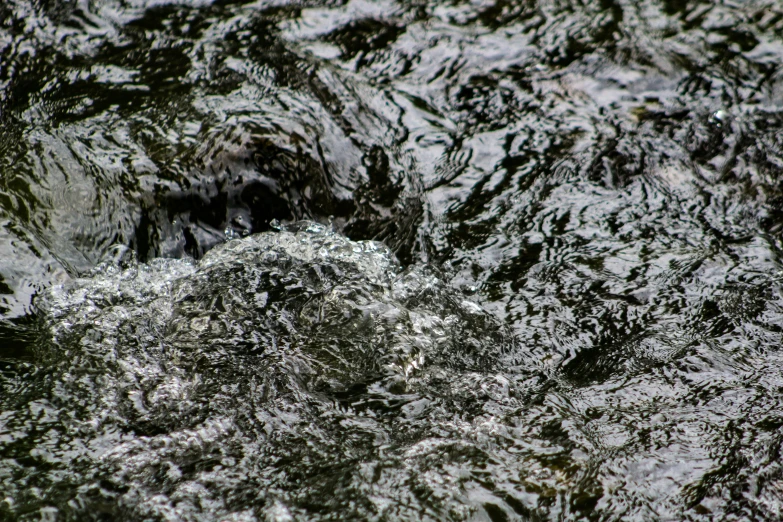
x=571, y=308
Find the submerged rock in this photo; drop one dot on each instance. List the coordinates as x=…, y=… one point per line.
x=283, y=374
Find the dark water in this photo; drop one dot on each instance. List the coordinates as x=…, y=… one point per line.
x=577, y=313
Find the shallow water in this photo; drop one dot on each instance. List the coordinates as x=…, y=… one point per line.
x=576, y=313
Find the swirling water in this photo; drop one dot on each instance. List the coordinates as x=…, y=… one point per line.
x=560, y=299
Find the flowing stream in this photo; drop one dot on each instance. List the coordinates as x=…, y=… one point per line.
x=391, y=260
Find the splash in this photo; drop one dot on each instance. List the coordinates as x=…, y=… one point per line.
x=283, y=373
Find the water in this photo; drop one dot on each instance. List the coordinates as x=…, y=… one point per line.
x=576, y=313
x=278, y=363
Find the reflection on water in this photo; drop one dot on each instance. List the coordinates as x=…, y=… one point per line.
x=602, y=177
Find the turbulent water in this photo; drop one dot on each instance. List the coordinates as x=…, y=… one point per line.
x=286, y=374
x=391, y=260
